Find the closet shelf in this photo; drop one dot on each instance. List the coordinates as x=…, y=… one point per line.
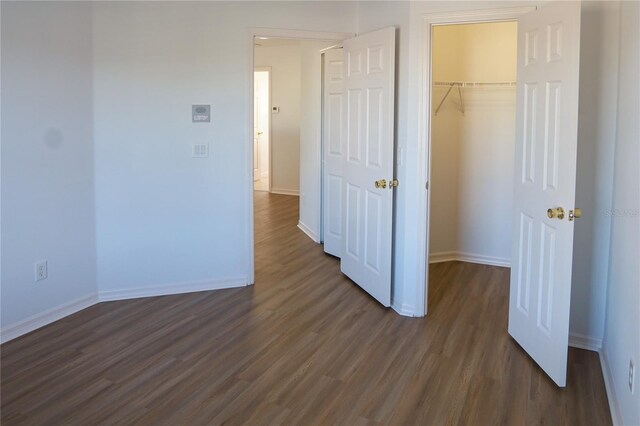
x=475, y=83
x=461, y=84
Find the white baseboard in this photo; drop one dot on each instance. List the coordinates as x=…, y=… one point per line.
x=444, y=256
x=448, y=256
x=309, y=232
x=172, y=288
x=614, y=406
x=285, y=191
x=589, y=343
x=404, y=309
x=47, y=317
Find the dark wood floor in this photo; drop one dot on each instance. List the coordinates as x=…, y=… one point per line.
x=303, y=346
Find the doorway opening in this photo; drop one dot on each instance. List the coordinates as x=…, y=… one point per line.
x=262, y=128
x=544, y=166
x=287, y=131
x=358, y=134
x=473, y=118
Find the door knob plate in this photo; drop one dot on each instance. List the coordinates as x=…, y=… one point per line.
x=381, y=183
x=555, y=213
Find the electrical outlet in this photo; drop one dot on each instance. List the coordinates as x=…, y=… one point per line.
x=632, y=371
x=41, y=270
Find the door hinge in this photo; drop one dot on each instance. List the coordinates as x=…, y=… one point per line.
x=426, y=185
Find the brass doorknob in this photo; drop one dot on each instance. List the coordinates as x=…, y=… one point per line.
x=574, y=214
x=382, y=183
x=555, y=213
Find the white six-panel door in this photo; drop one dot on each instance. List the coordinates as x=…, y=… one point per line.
x=368, y=157
x=545, y=177
x=333, y=134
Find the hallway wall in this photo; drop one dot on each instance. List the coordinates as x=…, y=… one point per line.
x=285, y=63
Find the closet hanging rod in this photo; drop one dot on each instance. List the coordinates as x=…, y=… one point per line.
x=461, y=84
x=475, y=83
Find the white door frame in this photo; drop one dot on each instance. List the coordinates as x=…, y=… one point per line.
x=273, y=33
x=269, y=164
x=424, y=125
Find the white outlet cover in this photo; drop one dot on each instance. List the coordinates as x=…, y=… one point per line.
x=41, y=270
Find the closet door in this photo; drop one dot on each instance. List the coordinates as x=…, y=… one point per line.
x=333, y=134
x=368, y=161
x=545, y=179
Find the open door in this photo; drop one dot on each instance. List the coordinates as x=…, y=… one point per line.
x=333, y=134
x=368, y=161
x=545, y=180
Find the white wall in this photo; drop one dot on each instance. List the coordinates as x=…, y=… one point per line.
x=472, y=153
x=594, y=183
x=285, y=63
x=47, y=161
x=164, y=218
x=622, y=337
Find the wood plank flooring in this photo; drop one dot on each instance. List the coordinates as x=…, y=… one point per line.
x=303, y=346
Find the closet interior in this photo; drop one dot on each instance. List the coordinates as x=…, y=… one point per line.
x=472, y=142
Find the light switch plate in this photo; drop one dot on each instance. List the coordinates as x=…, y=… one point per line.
x=200, y=150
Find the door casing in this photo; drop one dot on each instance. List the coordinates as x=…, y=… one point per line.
x=424, y=127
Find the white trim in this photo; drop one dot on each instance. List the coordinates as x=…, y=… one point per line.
x=41, y=319
x=482, y=15
x=424, y=127
x=581, y=341
x=614, y=405
x=304, y=228
x=171, y=288
x=298, y=34
x=276, y=33
x=405, y=309
x=448, y=256
x=282, y=191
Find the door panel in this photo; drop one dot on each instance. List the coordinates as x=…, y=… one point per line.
x=333, y=148
x=546, y=129
x=369, y=157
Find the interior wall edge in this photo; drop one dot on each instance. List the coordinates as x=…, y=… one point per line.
x=307, y=230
